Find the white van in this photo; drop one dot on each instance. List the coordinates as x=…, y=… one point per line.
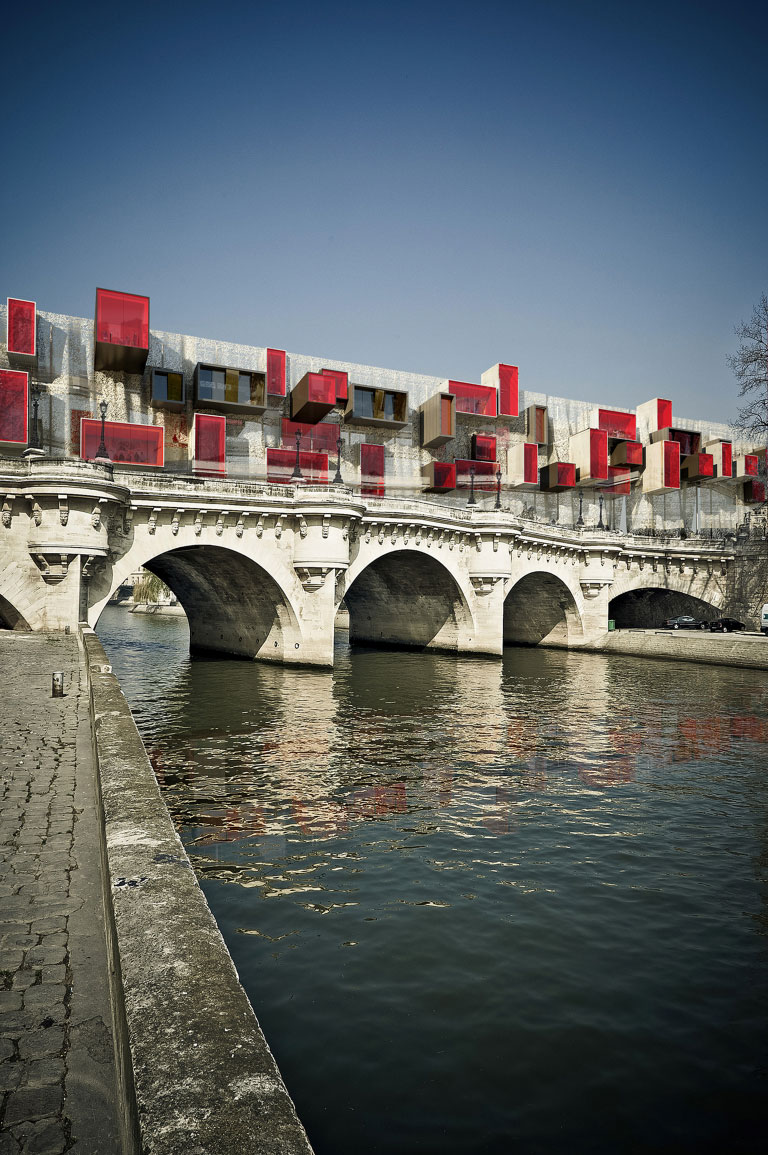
x=764, y=620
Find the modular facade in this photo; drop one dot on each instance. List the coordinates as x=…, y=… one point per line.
x=198, y=406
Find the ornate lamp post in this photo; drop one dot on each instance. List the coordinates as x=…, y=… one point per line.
x=498, y=489
x=580, y=521
x=101, y=452
x=297, y=474
x=338, y=479
x=471, y=498
x=34, y=449
x=600, y=522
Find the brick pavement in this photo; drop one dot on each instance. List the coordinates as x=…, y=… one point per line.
x=57, y=1078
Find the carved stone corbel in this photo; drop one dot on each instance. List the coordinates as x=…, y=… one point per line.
x=240, y=526
x=326, y=524
x=260, y=525
x=128, y=513
x=302, y=524
x=152, y=523
x=96, y=516
x=280, y=518
x=312, y=577
x=220, y=521
x=199, y=522
x=63, y=508
x=7, y=510
x=496, y=539
x=176, y=521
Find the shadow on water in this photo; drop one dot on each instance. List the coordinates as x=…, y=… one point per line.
x=481, y=906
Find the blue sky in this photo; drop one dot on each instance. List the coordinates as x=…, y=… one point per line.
x=577, y=188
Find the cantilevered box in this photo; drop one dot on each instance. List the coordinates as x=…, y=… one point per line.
x=483, y=447
x=745, y=466
x=385, y=408
x=536, y=424
x=229, y=390
x=126, y=442
x=438, y=420
x=589, y=452
x=484, y=473
x=627, y=453
x=504, y=378
x=341, y=380
x=313, y=397
x=476, y=400
x=372, y=470
x=167, y=389
x=208, y=444
x=722, y=452
x=618, y=424
x=282, y=462
x=276, y=372
x=558, y=476
x=689, y=440
x=698, y=467
x=121, y=332
x=662, y=467
x=619, y=482
x=14, y=396
x=439, y=476
x=653, y=415
x=523, y=465
x=22, y=328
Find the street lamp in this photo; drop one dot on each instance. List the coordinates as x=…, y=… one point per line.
x=498, y=489
x=101, y=452
x=297, y=474
x=580, y=521
x=471, y=498
x=338, y=479
x=34, y=449
x=600, y=522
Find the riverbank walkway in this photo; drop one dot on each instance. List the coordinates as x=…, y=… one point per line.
x=57, y=1073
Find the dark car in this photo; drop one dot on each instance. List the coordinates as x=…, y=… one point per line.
x=725, y=625
x=684, y=622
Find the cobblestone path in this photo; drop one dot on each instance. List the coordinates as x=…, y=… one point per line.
x=57, y=1079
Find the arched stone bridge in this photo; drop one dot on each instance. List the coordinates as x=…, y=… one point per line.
x=262, y=570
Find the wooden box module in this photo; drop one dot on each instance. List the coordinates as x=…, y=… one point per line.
x=387, y=408
x=438, y=420
x=230, y=403
x=662, y=467
x=588, y=451
x=722, y=452
x=536, y=424
x=654, y=414
x=628, y=453
x=313, y=397
x=439, y=476
x=745, y=466
x=523, y=465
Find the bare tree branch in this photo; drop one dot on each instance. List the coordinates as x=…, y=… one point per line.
x=750, y=368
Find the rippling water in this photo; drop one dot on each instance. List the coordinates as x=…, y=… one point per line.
x=480, y=906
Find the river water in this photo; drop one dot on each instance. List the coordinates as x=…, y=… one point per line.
x=481, y=906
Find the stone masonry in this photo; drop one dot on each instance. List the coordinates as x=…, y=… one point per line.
x=57, y=1078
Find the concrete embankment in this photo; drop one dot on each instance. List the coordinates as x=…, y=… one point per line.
x=194, y=1058
x=746, y=650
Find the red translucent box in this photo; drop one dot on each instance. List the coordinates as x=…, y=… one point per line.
x=508, y=390
x=754, y=492
x=209, y=444
x=276, y=372
x=442, y=476
x=126, y=443
x=671, y=465
x=619, y=482
x=281, y=464
x=341, y=379
x=121, y=331
x=313, y=397
x=559, y=475
x=530, y=463
x=322, y=436
x=22, y=327
x=484, y=471
x=14, y=396
x=372, y=470
x=617, y=424
x=699, y=465
x=475, y=399
x=483, y=447
x=726, y=460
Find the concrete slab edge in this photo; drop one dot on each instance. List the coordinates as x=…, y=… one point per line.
x=195, y=1061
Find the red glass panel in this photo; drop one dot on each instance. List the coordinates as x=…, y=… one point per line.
x=372, y=470
x=598, y=453
x=473, y=398
x=341, y=380
x=617, y=424
x=14, y=391
x=754, y=491
x=664, y=410
x=122, y=319
x=276, y=372
x=671, y=465
x=706, y=465
x=485, y=474
x=127, y=443
x=689, y=442
x=508, y=390
x=444, y=473
x=21, y=326
x=75, y=416
x=726, y=461
x=210, y=441
x=530, y=463
x=322, y=436
x=321, y=388
x=566, y=473
x=483, y=447
x=281, y=463
x=750, y=464
x=634, y=453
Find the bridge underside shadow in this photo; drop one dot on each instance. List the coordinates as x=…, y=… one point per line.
x=407, y=600
x=233, y=605
x=10, y=618
x=647, y=608
x=540, y=610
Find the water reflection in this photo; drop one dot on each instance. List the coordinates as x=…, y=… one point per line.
x=509, y=897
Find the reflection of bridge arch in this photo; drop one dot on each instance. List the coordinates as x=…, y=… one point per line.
x=407, y=598
x=542, y=609
x=232, y=603
x=645, y=598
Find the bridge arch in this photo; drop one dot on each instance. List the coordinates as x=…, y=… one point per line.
x=407, y=598
x=233, y=604
x=643, y=599
x=11, y=618
x=541, y=609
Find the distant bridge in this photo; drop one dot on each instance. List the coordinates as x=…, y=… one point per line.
x=261, y=570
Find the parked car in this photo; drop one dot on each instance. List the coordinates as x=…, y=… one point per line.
x=725, y=625
x=684, y=622
x=764, y=620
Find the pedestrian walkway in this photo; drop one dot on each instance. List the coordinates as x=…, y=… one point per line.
x=57, y=1077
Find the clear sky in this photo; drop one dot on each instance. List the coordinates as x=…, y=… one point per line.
x=578, y=187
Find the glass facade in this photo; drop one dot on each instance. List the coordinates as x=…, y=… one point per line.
x=122, y=319
x=126, y=443
x=22, y=327
x=167, y=386
x=475, y=399
x=209, y=439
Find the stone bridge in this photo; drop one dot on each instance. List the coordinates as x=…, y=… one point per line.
x=261, y=570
